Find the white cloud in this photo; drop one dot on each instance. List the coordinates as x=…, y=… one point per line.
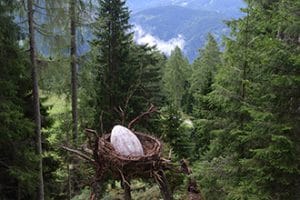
x=142, y=37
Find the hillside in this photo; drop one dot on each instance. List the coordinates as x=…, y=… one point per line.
x=223, y=6
x=187, y=26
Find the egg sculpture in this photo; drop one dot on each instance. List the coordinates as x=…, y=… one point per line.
x=125, y=142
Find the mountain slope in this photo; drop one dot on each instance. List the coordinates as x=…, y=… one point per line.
x=223, y=6
x=169, y=22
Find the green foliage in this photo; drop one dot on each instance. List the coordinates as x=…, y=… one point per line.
x=54, y=76
x=85, y=194
x=127, y=75
x=112, y=45
x=205, y=67
x=175, y=132
x=18, y=159
x=175, y=77
x=252, y=111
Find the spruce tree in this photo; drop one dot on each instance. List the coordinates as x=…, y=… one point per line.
x=205, y=67
x=112, y=44
x=17, y=152
x=128, y=75
x=175, y=77
x=204, y=70
x=253, y=101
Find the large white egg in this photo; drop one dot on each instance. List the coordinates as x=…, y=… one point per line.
x=125, y=142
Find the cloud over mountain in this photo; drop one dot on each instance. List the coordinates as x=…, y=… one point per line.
x=142, y=37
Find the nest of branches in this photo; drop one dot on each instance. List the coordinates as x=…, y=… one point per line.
x=107, y=161
x=142, y=166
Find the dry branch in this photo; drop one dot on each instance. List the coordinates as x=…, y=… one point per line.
x=79, y=153
x=152, y=109
x=87, y=130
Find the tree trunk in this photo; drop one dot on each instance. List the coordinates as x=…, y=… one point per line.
x=69, y=178
x=36, y=101
x=73, y=54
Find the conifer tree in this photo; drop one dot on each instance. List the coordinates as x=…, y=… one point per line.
x=205, y=67
x=254, y=138
x=36, y=99
x=204, y=70
x=175, y=77
x=127, y=75
x=112, y=45
x=17, y=152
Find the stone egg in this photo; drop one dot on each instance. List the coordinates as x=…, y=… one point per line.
x=126, y=142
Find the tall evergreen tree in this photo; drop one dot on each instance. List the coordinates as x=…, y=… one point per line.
x=17, y=152
x=36, y=99
x=127, y=74
x=254, y=139
x=112, y=43
x=205, y=67
x=175, y=77
x=204, y=70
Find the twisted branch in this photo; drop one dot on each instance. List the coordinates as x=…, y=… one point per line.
x=152, y=109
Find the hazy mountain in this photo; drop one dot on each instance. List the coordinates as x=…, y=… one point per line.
x=212, y=5
x=184, y=23
x=170, y=23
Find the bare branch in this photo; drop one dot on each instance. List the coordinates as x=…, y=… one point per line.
x=79, y=153
x=121, y=112
x=152, y=109
x=91, y=131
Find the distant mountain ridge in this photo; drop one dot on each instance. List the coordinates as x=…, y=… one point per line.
x=187, y=20
x=222, y=6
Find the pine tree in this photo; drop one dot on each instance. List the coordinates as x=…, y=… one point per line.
x=58, y=26
x=204, y=70
x=175, y=77
x=17, y=163
x=205, y=67
x=112, y=44
x=254, y=140
x=175, y=132
x=127, y=75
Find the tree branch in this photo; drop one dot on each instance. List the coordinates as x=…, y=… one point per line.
x=79, y=153
x=152, y=109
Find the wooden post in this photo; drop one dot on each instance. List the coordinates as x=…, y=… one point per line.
x=127, y=190
x=96, y=190
x=164, y=186
x=193, y=191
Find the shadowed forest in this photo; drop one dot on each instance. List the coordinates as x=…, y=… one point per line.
x=232, y=114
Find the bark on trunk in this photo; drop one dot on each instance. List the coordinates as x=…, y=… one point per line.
x=73, y=54
x=69, y=178
x=36, y=101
